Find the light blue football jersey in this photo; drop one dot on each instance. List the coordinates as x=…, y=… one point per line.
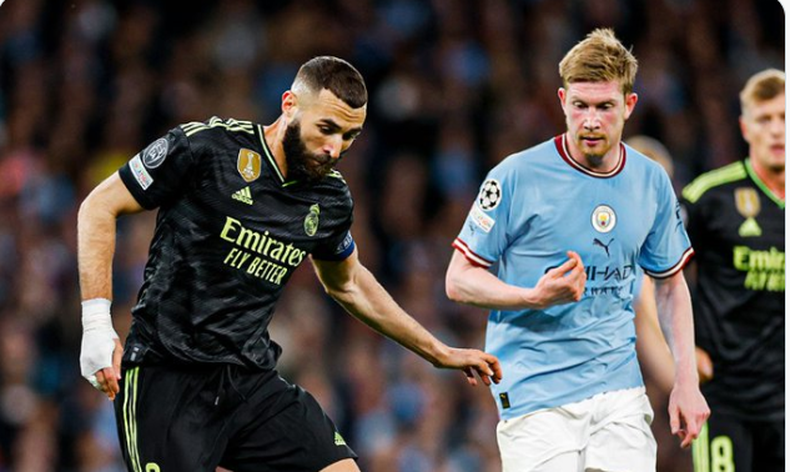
x=532, y=208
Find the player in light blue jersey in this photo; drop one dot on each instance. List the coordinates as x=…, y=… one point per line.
x=567, y=223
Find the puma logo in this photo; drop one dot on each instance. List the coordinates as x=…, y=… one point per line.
x=598, y=242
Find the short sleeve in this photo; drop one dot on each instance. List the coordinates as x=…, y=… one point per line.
x=484, y=236
x=667, y=248
x=336, y=249
x=158, y=173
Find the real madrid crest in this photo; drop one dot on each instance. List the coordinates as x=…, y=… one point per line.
x=604, y=218
x=248, y=164
x=311, y=220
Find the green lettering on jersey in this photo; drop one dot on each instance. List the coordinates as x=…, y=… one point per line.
x=764, y=269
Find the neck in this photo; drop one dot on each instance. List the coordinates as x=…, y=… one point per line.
x=774, y=179
x=274, y=134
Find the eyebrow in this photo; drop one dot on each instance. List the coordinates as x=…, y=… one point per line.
x=588, y=102
x=332, y=124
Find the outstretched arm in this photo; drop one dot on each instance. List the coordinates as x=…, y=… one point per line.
x=100, y=359
x=473, y=285
x=357, y=290
x=651, y=347
x=688, y=410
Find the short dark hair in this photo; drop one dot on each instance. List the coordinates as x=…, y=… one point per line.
x=337, y=76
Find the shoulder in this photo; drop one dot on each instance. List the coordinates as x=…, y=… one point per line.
x=218, y=130
x=521, y=163
x=335, y=182
x=218, y=125
x=715, y=179
x=333, y=188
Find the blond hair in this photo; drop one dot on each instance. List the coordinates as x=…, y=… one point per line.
x=600, y=57
x=762, y=86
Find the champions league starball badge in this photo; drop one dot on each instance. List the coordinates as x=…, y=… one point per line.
x=490, y=195
x=604, y=218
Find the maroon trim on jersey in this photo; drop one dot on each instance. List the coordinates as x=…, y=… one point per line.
x=684, y=259
x=473, y=258
x=562, y=148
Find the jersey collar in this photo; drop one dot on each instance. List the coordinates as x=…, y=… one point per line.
x=756, y=178
x=272, y=162
x=562, y=148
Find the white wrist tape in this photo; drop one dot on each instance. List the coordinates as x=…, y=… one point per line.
x=96, y=315
x=98, y=337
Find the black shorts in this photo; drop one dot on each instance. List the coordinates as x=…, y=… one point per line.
x=729, y=443
x=175, y=419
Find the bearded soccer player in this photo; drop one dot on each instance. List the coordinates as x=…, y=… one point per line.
x=568, y=221
x=240, y=207
x=735, y=218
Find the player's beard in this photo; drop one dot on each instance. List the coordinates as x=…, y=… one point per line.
x=596, y=155
x=302, y=164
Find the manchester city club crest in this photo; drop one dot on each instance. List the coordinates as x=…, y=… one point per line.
x=311, y=220
x=604, y=218
x=490, y=195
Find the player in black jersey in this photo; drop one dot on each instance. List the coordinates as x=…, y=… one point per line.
x=240, y=207
x=736, y=223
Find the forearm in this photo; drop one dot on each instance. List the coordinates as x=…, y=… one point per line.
x=651, y=347
x=673, y=303
x=476, y=286
x=366, y=300
x=95, y=249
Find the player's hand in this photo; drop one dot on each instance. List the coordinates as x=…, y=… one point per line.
x=704, y=366
x=104, y=379
x=108, y=377
x=100, y=354
x=471, y=362
x=688, y=412
x=560, y=285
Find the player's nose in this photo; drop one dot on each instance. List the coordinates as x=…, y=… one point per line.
x=333, y=146
x=591, y=120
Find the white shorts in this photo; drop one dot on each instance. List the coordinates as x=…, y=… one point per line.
x=608, y=432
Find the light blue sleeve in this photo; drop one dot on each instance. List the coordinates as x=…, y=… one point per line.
x=484, y=236
x=667, y=247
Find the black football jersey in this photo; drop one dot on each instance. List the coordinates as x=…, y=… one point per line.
x=737, y=228
x=229, y=234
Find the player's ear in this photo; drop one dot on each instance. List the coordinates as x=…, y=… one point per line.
x=289, y=104
x=630, y=103
x=562, y=94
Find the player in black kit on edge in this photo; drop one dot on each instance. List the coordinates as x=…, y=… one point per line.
x=736, y=221
x=240, y=207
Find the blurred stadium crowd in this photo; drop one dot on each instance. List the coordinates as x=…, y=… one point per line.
x=455, y=86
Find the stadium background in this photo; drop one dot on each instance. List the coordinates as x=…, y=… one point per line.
x=454, y=86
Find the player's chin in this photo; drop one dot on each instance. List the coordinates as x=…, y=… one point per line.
x=320, y=171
